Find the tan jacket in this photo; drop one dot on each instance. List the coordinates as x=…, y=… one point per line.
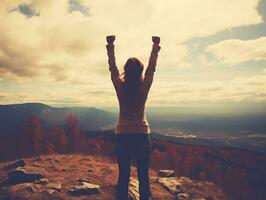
x=132, y=118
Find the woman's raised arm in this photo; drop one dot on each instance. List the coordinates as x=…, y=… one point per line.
x=152, y=62
x=111, y=60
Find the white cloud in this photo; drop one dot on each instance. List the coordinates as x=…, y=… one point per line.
x=71, y=43
x=237, y=89
x=62, y=45
x=236, y=51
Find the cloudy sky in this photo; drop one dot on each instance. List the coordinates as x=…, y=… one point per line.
x=213, y=52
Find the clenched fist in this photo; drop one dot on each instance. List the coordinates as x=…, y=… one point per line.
x=156, y=40
x=110, y=39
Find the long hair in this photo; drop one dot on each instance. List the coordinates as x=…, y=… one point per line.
x=132, y=77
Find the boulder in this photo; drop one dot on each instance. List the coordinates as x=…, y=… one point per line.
x=166, y=173
x=184, y=188
x=84, y=188
x=171, y=184
x=33, y=169
x=19, y=163
x=133, y=189
x=20, y=176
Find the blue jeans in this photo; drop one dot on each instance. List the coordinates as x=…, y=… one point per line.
x=138, y=145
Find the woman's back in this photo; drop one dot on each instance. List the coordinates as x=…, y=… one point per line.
x=132, y=108
x=132, y=116
x=132, y=90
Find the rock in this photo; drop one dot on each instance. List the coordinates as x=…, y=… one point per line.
x=20, y=176
x=166, y=173
x=84, y=188
x=33, y=169
x=185, y=189
x=23, y=186
x=55, y=186
x=42, y=181
x=133, y=189
x=171, y=184
x=90, y=170
x=19, y=163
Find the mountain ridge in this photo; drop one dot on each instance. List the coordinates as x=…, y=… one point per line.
x=12, y=116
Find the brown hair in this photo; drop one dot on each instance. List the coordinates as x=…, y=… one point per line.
x=132, y=76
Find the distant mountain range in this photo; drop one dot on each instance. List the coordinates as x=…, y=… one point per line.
x=13, y=116
x=169, y=120
x=245, y=130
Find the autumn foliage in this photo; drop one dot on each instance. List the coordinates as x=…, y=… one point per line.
x=240, y=173
x=34, y=138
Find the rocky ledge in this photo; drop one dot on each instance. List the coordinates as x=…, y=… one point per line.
x=72, y=176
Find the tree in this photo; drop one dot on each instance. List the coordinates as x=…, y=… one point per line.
x=30, y=138
x=72, y=132
x=55, y=140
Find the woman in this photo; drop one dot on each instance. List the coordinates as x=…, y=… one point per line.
x=132, y=130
